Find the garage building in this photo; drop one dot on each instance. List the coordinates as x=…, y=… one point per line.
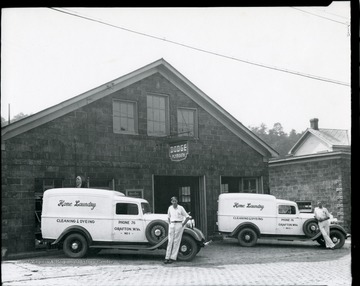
x=150, y=133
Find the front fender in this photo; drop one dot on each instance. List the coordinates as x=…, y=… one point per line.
x=195, y=233
x=332, y=226
x=74, y=229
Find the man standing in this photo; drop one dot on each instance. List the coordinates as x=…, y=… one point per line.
x=323, y=216
x=176, y=215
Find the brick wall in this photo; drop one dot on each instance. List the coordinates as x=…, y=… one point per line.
x=82, y=142
x=327, y=180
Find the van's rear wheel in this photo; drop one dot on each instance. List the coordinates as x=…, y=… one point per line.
x=75, y=245
x=247, y=237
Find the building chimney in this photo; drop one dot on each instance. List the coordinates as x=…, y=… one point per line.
x=314, y=123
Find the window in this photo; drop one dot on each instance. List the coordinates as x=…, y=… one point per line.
x=185, y=196
x=157, y=114
x=250, y=185
x=286, y=209
x=127, y=209
x=145, y=208
x=224, y=188
x=305, y=206
x=187, y=125
x=125, y=117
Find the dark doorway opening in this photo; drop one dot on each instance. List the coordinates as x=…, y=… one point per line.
x=186, y=188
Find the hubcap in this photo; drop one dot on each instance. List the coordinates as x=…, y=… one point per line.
x=247, y=237
x=157, y=232
x=183, y=248
x=74, y=246
x=335, y=239
x=313, y=227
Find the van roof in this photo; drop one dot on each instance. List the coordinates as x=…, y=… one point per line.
x=279, y=201
x=90, y=192
x=247, y=196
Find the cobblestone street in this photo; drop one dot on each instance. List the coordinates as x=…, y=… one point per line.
x=221, y=263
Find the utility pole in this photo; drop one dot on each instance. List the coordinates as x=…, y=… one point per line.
x=8, y=113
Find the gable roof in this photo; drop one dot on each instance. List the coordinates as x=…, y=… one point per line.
x=332, y=138
x=167, y=71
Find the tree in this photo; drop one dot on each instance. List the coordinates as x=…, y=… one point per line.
x=17, y=117
x=277, y=138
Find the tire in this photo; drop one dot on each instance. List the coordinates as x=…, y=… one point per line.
x=75, y=245
x=311, y=227
x=188, y=248
x=337, y=237
x=156, y=231
x=247, y=237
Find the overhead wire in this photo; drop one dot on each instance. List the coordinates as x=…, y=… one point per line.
x=316, y=15
x=202, y=50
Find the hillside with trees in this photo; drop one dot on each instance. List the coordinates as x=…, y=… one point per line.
x=277, y=138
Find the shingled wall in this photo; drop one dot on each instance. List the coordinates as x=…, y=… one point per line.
x=83, y=142
x=325, y=179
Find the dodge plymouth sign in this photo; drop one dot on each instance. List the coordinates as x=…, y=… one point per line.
x=178, y=151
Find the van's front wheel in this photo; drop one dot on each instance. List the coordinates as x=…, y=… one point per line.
x=247, y=237
x=188, y=248
x=75, y=245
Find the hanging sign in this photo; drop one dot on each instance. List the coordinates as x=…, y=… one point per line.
x=178, y=151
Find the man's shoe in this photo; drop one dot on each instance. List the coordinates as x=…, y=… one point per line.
x=171, y=261
x=166, y=261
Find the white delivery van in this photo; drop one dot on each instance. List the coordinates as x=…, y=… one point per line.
x=248, y=216
x=82, y=220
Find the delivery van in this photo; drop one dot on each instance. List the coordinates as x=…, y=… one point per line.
x=82, y=220
x=248, y=216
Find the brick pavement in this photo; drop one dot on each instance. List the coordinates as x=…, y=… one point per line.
x=330, y=272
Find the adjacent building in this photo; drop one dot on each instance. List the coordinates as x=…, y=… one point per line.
x=150, y=134
x=318, y=168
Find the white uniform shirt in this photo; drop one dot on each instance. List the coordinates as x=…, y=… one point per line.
x=321, y=213
x=177, y=214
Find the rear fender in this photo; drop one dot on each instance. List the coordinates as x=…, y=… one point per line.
x=74, y=229
x=247, y=225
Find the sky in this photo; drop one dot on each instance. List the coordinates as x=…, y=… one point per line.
x=49, y=56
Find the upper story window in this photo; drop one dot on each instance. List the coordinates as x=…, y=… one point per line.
x=125, y=117
x=187, y=123
x=157, y=115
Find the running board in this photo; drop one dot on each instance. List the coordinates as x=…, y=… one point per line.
x=130, y=247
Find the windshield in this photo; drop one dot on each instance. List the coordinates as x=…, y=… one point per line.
x=145, y=208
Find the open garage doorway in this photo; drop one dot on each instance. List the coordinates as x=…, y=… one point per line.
x=190, y=192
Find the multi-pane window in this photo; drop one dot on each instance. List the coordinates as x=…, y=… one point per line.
x=305, y=206
x=157, y=115
x=125, y=117
x=224, y=188
x=186, y=119
x=185, y=195
x=250, y=185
